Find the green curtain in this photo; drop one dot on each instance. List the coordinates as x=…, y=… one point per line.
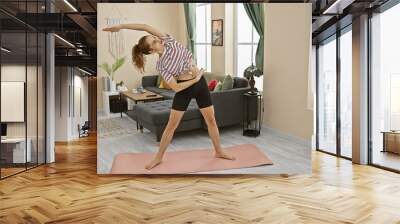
x=255, y=11
x=190, y=16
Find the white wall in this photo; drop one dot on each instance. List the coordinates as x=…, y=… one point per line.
x=66, y=121
x=33, y=126
x=286, y=68
x=218, y=52
x=62, y=81
x=168, y=18
x=17, y=73
x=222, y=57
x=80, y=84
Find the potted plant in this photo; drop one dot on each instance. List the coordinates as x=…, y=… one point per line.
x=110, y=70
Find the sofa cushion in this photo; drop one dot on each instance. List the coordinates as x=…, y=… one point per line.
x=168, y=94
x=218, y=87
x=212, y=84
x=227, y=83
x=164, y=85
x=158, y=112
x=239, y=82
x=210, y=76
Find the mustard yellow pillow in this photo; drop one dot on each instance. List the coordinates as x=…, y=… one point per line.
x=164, y=85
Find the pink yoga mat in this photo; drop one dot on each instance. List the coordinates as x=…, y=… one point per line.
x=190, y=161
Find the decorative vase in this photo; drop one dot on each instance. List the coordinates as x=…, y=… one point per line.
x=252, y=83
x=113, y=86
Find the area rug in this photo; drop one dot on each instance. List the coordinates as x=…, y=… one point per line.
x=190, y=161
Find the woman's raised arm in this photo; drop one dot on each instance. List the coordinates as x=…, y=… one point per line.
x=136, y=26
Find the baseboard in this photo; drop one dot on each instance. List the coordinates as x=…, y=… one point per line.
x=304, y=142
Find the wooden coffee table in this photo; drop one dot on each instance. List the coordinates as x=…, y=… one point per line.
x=147, y=96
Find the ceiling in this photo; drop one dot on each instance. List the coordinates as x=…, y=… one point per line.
x=76, y=22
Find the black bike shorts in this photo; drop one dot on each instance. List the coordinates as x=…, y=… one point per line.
x=199, y=91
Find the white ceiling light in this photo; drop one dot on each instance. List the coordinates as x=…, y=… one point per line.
x=5, y=50
x=70, y=5
x=65, y=41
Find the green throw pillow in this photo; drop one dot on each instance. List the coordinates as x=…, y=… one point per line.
x=227, y=83
x=218, y=87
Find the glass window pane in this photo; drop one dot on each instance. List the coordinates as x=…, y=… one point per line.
x=327, y=97
x=259, y=80
x=208, y=24
x=244, y=26
x=31, y=100
x=13, y=79
x=201, y=56
x=395, y=102
x=256, y=37
x=208, y=68
x=346, y=94
x=200, y=24
x=244, y=58
x=385, y=92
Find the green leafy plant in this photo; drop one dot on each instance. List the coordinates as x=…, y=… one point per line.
x=111, y=69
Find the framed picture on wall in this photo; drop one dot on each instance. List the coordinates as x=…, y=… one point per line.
x=217, y=34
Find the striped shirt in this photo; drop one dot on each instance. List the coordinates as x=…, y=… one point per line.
x=174, y=60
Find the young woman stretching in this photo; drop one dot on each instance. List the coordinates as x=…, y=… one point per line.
x=176, y=68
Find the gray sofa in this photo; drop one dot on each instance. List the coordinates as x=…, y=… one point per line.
x=228, y=106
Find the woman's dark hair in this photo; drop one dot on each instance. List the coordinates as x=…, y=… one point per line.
x=138, y=52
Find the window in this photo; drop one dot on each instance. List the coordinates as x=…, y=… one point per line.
x=203, y=35
x=346, y=93
x=385, y=87
x=246, y=44
x=327, y=95
x=334, y=95
x=22, y=74
x=394, y=101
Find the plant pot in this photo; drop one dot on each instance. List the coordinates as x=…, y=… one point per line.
x=113, y=86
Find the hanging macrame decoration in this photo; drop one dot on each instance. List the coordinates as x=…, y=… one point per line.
x=116, y=42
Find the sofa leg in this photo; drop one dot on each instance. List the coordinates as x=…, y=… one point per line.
x=141, y=128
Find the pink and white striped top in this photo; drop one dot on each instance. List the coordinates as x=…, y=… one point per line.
x=175, y=59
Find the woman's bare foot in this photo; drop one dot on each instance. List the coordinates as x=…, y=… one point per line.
x=223, y=155
x=153, y=163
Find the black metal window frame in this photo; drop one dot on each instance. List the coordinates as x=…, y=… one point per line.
x=334, y=37
x=387, y=5
x=381, y=9
x=44, y=81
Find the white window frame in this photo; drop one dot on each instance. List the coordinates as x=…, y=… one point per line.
x=236, y=43
x=208, y=66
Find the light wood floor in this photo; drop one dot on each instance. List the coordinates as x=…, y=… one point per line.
x=70, y=191
x=387, y=159
x=10, y=171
